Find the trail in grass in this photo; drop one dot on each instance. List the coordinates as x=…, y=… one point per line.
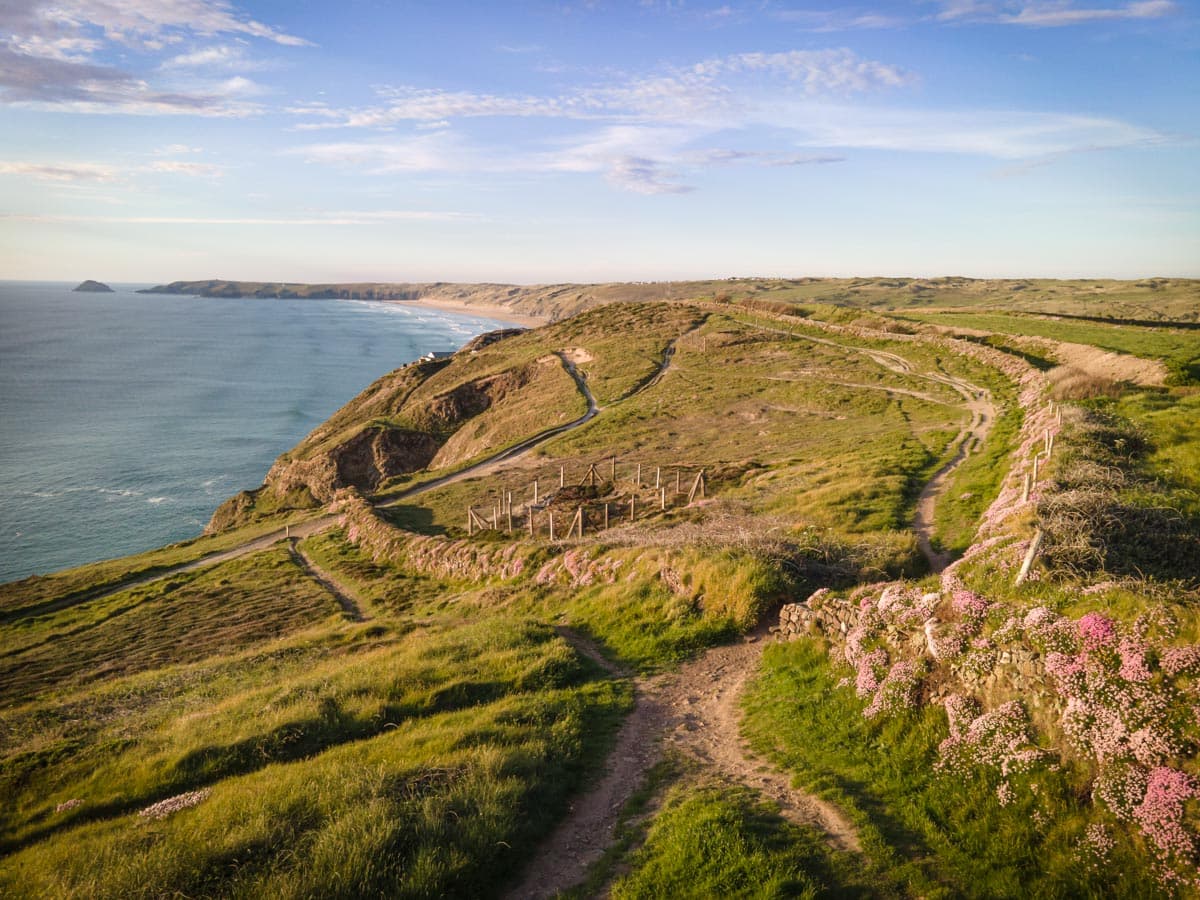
x=323, y=523
x=349, y=603
x=983, y=414
x=695, y=712
x=976, y=400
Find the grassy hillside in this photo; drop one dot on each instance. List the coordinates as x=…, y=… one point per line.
x=398, y=702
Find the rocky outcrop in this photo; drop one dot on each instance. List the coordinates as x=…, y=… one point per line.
x=93, y=287
x=364, y=461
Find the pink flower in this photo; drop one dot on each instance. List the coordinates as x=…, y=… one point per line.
x=1182, y=661
x=1160, y=814
x=1096, y=631
x=1133, y=659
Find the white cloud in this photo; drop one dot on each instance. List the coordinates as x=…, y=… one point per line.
x=1050, y=14
x=191, y=169
x=994, y=134
x=716, y=87
x=136, y=22
x=105, y=172
x=61, y=171
x=220, y=56
x=48, y=54
x=436, y=152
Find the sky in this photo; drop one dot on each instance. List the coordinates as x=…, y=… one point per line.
x=364, y=140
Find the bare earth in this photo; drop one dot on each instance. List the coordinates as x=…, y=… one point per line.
x=694, y=712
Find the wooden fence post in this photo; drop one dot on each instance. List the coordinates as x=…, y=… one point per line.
x=1034, y=546
x=562, y=476
x=632, y=506
x=605, y=516
x=535, y=492
x=530, y=522
x=662, y=498
x=1025, y=489
x=639, y=476
x=677, y=481
x=657, y=477
x=551, y=526
x=614, y=469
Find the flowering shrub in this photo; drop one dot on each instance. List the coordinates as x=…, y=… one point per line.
x=1160, y=814
x=999, y=739
x=870, y=668
x=1096, y=632
x=897, y=691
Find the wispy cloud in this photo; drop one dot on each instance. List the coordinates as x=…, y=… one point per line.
x=49, y=55
x=711, y=87
x=219, y=56
x=655, y=134
x=1052, y=14
x=831, y=20
x=104, y=172
x=1004, y=135
x=61, y=171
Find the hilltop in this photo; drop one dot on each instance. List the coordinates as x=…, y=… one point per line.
x=719, y=595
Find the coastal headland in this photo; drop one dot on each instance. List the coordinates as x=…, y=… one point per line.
x=688, y=595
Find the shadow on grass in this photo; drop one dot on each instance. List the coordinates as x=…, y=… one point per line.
x=292, y=742
x=417, y=519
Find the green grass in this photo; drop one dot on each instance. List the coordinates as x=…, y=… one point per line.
x=718, y=841
x=933, y=834
x=406, y=766
x=29, y=594
x=181, y=619
x=1180, y=350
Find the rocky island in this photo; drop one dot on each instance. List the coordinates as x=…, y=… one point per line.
x=93, y=287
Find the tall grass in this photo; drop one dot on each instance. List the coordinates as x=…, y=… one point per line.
x=934, y=834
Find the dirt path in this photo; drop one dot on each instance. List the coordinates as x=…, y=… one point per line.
x=976, y=400
x=695, y=712
x=351, y=605
x=323, y=523
x=983, y=415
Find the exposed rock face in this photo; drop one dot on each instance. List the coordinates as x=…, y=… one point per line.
x=94, y=287
x=364, y=461
x=488, y=338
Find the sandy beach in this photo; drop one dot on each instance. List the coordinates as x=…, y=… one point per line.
x=490, y=310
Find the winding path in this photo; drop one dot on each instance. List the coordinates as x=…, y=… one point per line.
x=323, y=523
x=695, y=712
x=977, y=401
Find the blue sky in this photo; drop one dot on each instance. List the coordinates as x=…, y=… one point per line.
x=145, y=140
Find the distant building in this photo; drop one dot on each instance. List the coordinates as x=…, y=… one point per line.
x=437, y=354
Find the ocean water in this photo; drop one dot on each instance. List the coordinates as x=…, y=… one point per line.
x=126, y=418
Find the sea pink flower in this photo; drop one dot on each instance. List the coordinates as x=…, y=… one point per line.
x=1096, y=631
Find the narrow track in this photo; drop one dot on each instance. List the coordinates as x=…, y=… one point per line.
x=977, y=401
x=351, y=605
x=323, y=523
x=694, y=712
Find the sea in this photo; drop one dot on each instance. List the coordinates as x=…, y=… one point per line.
x=126, y=418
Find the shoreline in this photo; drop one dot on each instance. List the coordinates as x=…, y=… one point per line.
x=487, y=310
